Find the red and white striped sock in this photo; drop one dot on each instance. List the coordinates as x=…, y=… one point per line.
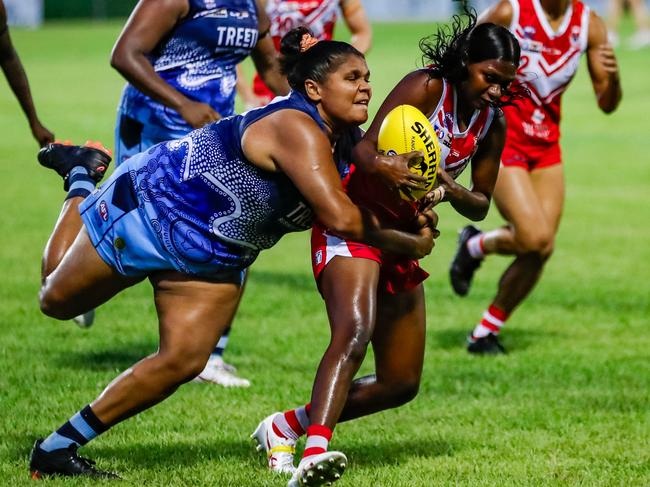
x=493, y=319
x=293, y=423
x=318, y=438
x=475, y=246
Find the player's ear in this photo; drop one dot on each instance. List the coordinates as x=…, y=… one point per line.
x=312, y=90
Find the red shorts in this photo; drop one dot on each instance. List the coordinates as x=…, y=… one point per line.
x=531, y=157
x=397, y=274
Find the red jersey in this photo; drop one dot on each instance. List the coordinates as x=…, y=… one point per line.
x=549, y=60
x=319, y=15
x=456, y=151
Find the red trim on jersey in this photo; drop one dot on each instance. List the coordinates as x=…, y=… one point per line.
x=319, y=15
x=549, y=61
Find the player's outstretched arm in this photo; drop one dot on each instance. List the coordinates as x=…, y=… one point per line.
x=603, y=67
x=17, y=79
x=291, y=142
x=149, y=23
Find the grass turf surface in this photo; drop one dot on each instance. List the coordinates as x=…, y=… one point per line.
x=569, y=406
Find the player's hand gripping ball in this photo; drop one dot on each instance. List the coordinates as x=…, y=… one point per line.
x=406, y=129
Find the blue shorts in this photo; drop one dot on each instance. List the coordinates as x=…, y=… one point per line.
x=125, y=238
x=133, y=137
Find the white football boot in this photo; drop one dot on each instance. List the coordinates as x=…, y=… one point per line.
x=85, y=320
x=219, y=372
x=279, y=450
x=321, y=469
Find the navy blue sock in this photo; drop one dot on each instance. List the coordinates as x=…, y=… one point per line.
x=79, y=183
x=222, y=344
x=79, y=430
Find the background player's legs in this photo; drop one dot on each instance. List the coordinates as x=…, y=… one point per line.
x=192, y=314
x=534, y=222
x=532, y=204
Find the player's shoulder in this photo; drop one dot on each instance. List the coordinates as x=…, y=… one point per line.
x=597, y=33
x=500, y=13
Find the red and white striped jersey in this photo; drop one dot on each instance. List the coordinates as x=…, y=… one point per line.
x=549, y=60
x=456, y=151
x=319, y=15
x=456, y=147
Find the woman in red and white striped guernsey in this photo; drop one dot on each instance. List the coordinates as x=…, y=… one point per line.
x=377, y=297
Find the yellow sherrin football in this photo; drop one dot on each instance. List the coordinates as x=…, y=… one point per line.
x=407, y=129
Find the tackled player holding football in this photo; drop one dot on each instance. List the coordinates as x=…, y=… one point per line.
x=530, y=189
x=377, y=297
x=179, y=215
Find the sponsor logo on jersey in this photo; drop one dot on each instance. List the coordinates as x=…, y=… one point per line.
x=299, y=217
x=529, y=32
x=575, y=35
x=318, y=257
x=103, y=210
x=237, y=36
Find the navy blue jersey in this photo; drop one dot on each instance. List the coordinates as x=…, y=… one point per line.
x=198, y=58
x=211, y=208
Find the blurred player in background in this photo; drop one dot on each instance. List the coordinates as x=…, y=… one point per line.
x=377, y=297
x=179, y=59
x=320, y=17
x=641, y=38
x=17, y=79
x=530, y=190
x=190, y=215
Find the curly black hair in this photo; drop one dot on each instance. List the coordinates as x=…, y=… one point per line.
x=447, y=52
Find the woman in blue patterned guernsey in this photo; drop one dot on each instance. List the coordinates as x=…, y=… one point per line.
x=179, y=59
x=191, y=214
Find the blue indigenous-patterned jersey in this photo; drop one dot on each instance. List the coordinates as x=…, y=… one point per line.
x=210, y=207
x=198, y=59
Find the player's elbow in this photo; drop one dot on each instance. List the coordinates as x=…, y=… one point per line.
x=608, y=108
x=121, y=59
x=346, y=224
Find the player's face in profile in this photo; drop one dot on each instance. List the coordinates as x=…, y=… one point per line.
x=346, y=92
x=488, y=81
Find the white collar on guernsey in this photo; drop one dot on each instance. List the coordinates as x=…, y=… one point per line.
x=541, y=15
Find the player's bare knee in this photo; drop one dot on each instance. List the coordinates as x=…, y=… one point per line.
x=182, y=365
x=405, y=391
x=356, y=343
x=54, y=304
x=535, y=242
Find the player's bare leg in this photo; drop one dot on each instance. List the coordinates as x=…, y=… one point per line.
x=349, y=286
x=192, y=315
x=351, y=297
x=532, y=204
x=398, y=344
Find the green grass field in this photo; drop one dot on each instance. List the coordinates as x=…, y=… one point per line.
x=570, y=405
